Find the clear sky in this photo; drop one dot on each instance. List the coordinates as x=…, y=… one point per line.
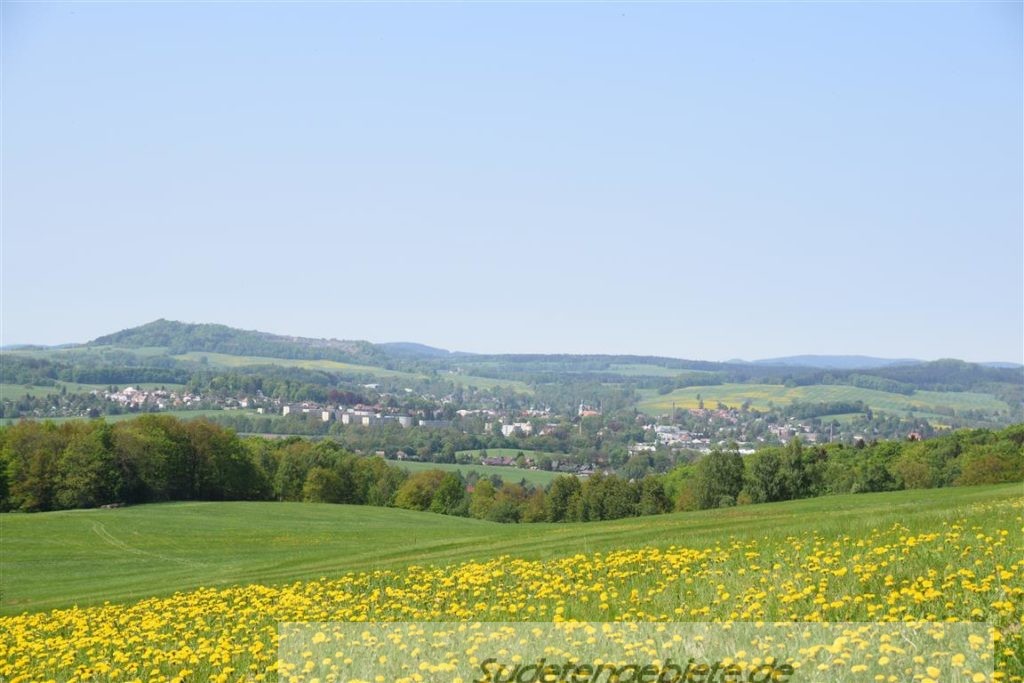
x=695, y=180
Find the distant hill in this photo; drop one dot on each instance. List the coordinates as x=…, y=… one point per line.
x=950, y=374
x=413, y=349
x=837, y=362
x=902, y=376
x=179, y=337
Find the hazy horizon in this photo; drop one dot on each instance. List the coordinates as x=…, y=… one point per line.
x=690, y=180
x=515, y=351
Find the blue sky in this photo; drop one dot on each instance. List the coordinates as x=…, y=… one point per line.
x=695, y=180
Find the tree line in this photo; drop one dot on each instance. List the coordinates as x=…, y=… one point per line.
x=962, y=458
x=121, y=369
x=156, y=458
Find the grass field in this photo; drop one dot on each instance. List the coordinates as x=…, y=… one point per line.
x=624, y=369
x=950, y=555
x=70, y=353
x=506, y=453
x=511, y=475
x=922, y=403
x=10, y=392
x=14, y=391
x=228, y=361
x=58, y=559
x=225, y=360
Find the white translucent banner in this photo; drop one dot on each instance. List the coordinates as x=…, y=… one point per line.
x=634, y=652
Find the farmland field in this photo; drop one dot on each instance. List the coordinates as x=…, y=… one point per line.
x=10, y=392
x=922, y=403
x=55, y=559
x=14, y=391
x=511, y=475
x=69, y=353
x=933, y=555
x=231, y=361
x=874, y=557
x=474, y=454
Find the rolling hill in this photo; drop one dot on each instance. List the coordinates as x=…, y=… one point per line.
x=171, y=352
x=761, y=396
x=59, y=559
x=837, y=362
x=179, y=337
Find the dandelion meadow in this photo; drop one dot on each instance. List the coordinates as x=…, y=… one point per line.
x=945, y=556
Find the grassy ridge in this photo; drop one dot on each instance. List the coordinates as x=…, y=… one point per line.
x=94, y=353
x=85, y=557
x=922, y=403
x=224, y=360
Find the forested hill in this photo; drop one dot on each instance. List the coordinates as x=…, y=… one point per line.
x=941, y=375
x=837, y=362
x=178, y=337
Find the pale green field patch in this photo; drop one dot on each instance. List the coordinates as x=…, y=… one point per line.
x=761, y=396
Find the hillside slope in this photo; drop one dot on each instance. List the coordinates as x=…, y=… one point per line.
x=85, y=557
x=179, y=337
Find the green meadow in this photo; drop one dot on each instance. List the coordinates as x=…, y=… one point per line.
x=761, y=396
x=59, y=559
x=474, y=454
x=15, y=391
x=224, y=360
x=79, y=353
x=511, y=475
